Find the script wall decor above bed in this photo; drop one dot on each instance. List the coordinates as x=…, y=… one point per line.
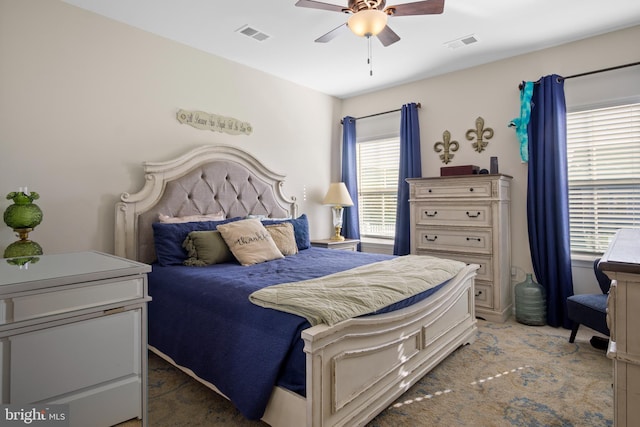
x=339, y=375
x=214, y=122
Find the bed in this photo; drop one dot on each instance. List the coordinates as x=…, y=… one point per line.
x=339, y=373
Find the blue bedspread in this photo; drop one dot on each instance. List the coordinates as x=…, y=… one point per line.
x=202, y=318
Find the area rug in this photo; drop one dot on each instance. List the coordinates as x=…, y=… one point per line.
x=513, y=375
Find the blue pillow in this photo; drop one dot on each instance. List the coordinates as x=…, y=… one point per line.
x=300, y=229
x=168, y=238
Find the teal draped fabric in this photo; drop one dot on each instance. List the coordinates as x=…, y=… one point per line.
x=350, y=222
x=548, y=197
x=410, y=167
x=521, y=123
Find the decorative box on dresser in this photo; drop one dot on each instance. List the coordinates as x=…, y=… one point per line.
x=467, y=218
x=621, y=263
x=73, y=332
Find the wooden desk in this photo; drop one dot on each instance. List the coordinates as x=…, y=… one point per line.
x=621, y=263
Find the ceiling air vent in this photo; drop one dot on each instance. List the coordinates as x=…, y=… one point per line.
x=253, y=33
x=462, y=41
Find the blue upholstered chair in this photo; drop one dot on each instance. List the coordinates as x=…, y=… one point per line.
x=590, y=309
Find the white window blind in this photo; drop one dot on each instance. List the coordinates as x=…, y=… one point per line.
x=603, y=149
x=378, y=171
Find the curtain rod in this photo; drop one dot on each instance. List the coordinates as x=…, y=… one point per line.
x=602, y=70
x=384, y=112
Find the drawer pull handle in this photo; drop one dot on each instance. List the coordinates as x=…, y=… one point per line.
x=431, y=214
x=429, y=190
x=477, y=239
x=471, y=189
x=432, y=239
x=470, y=215
x=478, y=293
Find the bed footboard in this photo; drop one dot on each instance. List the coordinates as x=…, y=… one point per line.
x=356, y=368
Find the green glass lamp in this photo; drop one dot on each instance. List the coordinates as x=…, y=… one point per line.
x=23, y=216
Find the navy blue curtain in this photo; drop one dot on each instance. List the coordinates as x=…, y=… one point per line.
x=350, y=223
x=548, y=197
x=410, y=167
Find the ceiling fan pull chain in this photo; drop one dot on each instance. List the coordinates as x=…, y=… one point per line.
x=370, y=56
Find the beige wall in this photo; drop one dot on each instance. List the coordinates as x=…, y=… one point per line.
x=84, y=100
x=453, y=102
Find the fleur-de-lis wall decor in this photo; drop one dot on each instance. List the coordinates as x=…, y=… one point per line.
x=481, y=134
x=447, y=145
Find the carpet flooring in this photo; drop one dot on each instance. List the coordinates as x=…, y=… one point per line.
x=513, y=375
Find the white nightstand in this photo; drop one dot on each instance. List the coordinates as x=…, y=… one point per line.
x=344, y=245
x=73, y=330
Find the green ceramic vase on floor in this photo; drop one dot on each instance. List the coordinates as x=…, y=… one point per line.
x=531, y=304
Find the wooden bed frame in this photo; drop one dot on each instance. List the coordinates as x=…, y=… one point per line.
x=354, y=369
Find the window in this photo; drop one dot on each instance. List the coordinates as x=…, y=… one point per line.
x=378, y=170
x=603, y=153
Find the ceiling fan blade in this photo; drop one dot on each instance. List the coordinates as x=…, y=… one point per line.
x=332, y=34
x=388, y=36
x=428, y=7
x=320, y=5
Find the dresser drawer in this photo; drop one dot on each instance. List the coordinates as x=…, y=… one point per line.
x=484, y=295
x=441, y=189
x=464, y=215
x=485, y=270
x=474, y=241
x=70, y=299
x=51, y=363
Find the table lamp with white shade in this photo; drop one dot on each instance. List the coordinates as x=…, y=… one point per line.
x=338, y=197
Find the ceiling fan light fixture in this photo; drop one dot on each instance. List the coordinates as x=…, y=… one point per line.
x=368, y=22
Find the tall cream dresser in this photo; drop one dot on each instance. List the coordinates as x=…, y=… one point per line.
x=621, y=263
x=73, y=334
x=467, y=218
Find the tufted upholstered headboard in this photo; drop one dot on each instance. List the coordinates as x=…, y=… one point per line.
x=206, y=180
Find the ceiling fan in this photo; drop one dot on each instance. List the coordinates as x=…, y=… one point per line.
x=369, y=17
